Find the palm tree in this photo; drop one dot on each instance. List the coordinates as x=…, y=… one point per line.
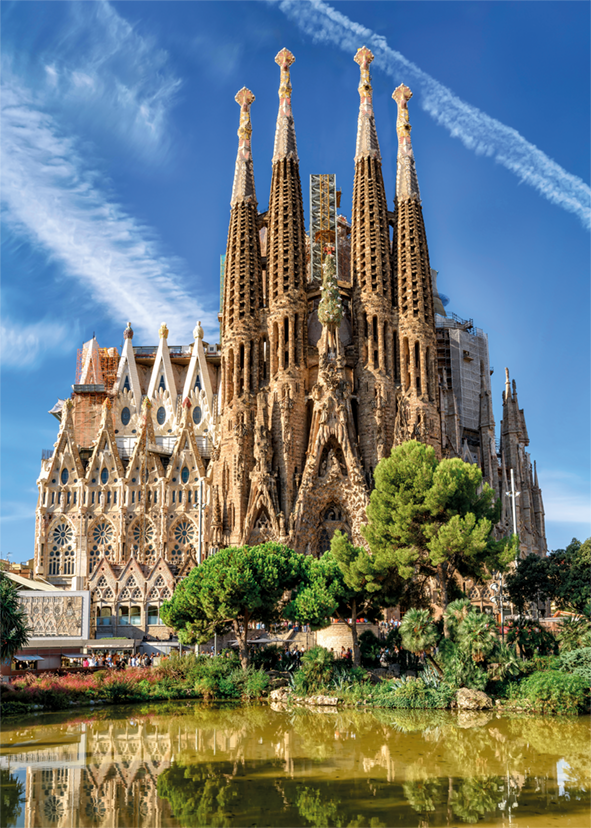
x=419, y=634
x=477, y=635
x=14, y=628
x=455, y=613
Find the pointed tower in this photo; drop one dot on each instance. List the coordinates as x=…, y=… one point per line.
x=287, y=303
x=416, y=317
x=242, y=341
x=373, y=299
x=528, y=504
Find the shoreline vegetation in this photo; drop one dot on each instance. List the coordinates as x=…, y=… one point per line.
x=555, y=685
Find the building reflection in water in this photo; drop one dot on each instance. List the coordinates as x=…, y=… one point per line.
x=235, y=766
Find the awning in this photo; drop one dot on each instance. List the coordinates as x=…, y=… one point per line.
x=110, y=644
x=74, y=655
x=29, y=658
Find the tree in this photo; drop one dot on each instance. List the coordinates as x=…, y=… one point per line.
x=344, y=583
x=419, y=634
x=431, y=518
x=14, y=626
x=569, y=571
x=529, y=582
x=234, y=587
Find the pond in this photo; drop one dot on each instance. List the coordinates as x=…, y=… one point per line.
x=180, y=764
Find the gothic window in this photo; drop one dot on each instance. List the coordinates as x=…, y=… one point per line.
x=185, y=474
x=184, y=539
x=131, y=583
x=136, y=595
x=125, y=416
x=196, y=415
x=103, y=616
x=126, y=387
x=324, y=544
x=101, y=544
x=161, y=385
x=61, y=552
x=64, y=476
x=161, y=415
x=125, y=595
x=104, y=476
x=198, y=382
x=143, y=543
x=102, y=582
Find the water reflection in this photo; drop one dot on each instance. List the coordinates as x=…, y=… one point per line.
x=180, y=765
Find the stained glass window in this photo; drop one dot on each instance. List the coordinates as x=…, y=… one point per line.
x=104, y=476
x=184, y=539
x=125, y=416
x=65, y=476
x=101, y=543
x=161, y=415
x=196, y=415
x=185, y=474
x=61, y=553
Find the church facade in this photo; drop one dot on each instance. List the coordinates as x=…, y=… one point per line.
x=335, y=346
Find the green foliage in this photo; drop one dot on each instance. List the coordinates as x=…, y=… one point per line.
x=370, y=646
x=413, y=694
x=531, y=638
x=455, y=613
x=316, y=809
x=570, y=573
x=529, y=582
x=267, y=658
x=459, y=668
x=507, y=664
x=553, y=691
x=577, y=662
x=574, y=634
x=477, y=796
x=14, y=627
x=12, y=796
x=477, y=636
x=316, y=670
x=430, y=518
x=418, y=632
x=232, y=588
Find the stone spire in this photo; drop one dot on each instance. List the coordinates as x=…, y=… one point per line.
x=243, y=271
x=243, y=189
x=286, y=232
x=285, y=138
x=407, y=183
x=367, y=137
x=371, y=276
x=287, y=319
x=412, y=272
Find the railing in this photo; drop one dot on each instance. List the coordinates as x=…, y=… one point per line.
x=174, y=350
x=204, y=446
x=47, y=454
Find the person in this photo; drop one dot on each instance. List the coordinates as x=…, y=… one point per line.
x=85, y=662
x=92, y=661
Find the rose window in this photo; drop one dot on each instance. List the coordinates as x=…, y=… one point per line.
x=61, y=552
x=184, y=539
x=143, y=542
x=101, y=543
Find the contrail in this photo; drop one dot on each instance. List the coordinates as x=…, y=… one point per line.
x=475, y=129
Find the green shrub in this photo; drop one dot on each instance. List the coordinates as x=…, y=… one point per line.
x=370, y=646
x=575, y=634
x=577, y=662
x=266, y=658
x=459, y=669
x=413, y=693
x=315, y=671
x=256, y=684
x=553, y=691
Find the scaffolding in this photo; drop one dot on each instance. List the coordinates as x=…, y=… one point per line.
x=105, y=373
x=323, y=222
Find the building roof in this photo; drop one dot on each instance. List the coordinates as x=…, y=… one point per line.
x=28, y=583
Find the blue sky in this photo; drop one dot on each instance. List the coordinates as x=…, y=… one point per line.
x=118, y=147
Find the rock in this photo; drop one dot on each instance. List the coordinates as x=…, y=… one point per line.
x=322, y=701
x=473, y=699
x=473, y=718
x=279, y=695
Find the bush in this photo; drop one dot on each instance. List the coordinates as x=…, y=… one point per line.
x=413, y=693
x=315, y=671
x=266, y=658
x=577, y=662
x=459, y=669
x=553, y=691
x=370, y=646
x=575, y=634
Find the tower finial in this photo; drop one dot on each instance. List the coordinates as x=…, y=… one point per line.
x=507, y=385
x=243, y=189
x=367, y=138
x=285, y=139
x=407, y=184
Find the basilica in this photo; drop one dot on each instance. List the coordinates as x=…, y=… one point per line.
x=335, y=346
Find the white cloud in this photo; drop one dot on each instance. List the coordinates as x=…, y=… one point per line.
x=566, y=497
x=104, y=75
x=476, y=130
x=16, y=511
x=23, y=345
x=53, y=198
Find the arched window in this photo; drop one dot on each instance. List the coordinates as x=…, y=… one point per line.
x=125, y=416
x=196, y=415
x=64, y=476
x=185, y=474
x=161, y=385
x=104, y=476
x=126, y=387
x=161, y=415
x=61, y=550
x=184, y=539
x=143, y=543
x=101, y=543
